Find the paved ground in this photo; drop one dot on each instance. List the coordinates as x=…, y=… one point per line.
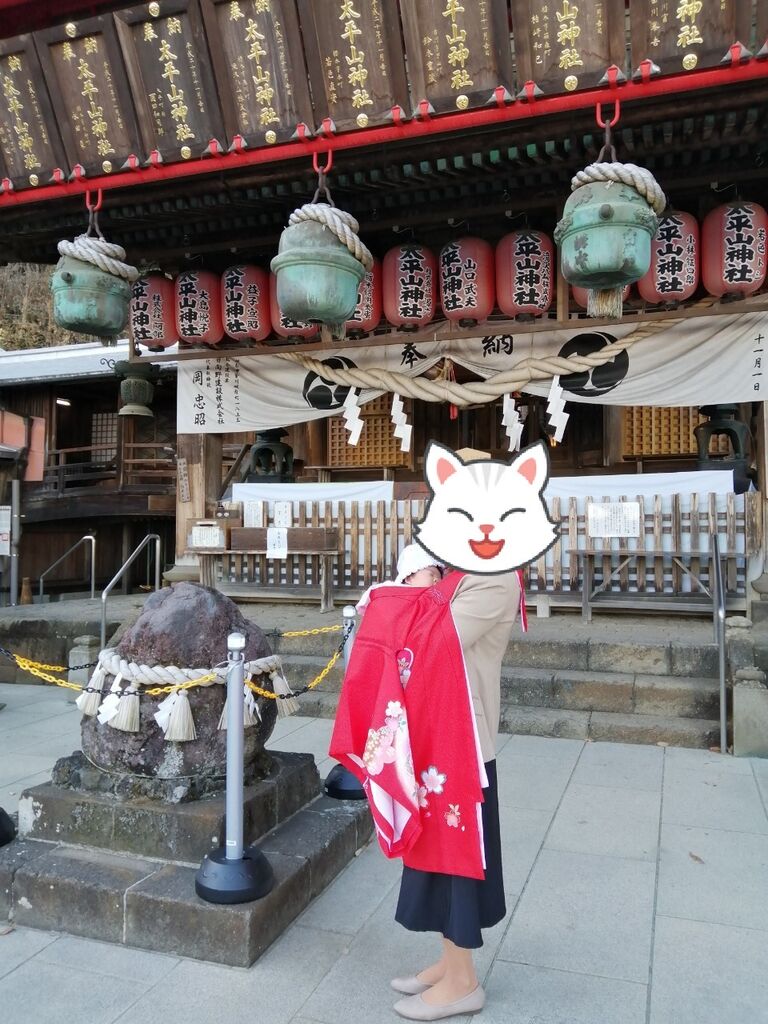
x=637, y=882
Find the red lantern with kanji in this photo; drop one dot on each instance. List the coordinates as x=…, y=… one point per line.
x=524, y=273
x=581, y=295
x=152, y=312
x=198, y=307
x=245, y=303
x=367, y=314
x=673, y=275
x=467, y=285
x=283, y=325
x=733, y=246
x=410, y=286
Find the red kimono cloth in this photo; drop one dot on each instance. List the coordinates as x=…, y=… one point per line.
x=405, y=727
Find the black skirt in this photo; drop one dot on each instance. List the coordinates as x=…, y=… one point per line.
x=459, y=907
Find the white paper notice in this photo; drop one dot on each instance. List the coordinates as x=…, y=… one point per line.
x=614, y=519
x=252, y=514
x=283, y=514
x=277, y=542
x=5, y=530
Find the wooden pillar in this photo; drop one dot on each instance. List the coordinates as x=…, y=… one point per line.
x=613, y=435
x=317, y=442
x=198, y=482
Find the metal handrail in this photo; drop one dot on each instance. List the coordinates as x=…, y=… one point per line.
x=718, y=601
x=129, y=561
x=83, y=540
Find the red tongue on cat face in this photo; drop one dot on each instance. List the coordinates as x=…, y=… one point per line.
x=486, y=548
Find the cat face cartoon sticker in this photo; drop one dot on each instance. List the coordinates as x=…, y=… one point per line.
x=484, y=516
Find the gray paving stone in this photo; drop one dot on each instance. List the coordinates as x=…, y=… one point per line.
x=712, y=798
x=105, y=958
x=21, y=944
x=357, y=988
x=555, y=722
x=593, y=691
x=13, y=856
x=520, y=994
x=15, y=766
x=760, y=769
x=612, y=822
x=41, y=993
x=586, y=914
x=620, y=766
x=676, y=695
x=530, y=782
x=271, y=992
x=683, y=732
x=557, y=749
x=684, y=757
x=693, y=660
x=522, y=834
x=345, y=906
x=716, y=876
x=708, y=974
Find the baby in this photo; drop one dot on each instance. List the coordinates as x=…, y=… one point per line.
x=417, y=568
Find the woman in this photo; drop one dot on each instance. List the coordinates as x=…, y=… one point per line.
x=484, y=609
x=423, y=744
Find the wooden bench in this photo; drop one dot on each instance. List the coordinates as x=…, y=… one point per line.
x=316, y=541
x=700, y=601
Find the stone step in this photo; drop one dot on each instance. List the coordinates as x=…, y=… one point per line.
x=181, y=832
x=659, y=659
x=607, y=725
x=621, y=692
x=152, y=905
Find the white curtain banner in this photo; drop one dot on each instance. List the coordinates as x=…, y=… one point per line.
x=698, y=361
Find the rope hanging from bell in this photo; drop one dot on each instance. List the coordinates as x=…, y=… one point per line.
x=607, y=226
x=321, y=261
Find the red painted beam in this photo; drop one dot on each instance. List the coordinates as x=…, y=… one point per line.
x=400, y=131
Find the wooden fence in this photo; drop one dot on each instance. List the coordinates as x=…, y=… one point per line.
x=371, y=534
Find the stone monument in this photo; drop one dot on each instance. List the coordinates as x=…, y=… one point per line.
x=110, y=848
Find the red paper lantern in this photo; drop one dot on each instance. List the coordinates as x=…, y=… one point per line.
x=580, y=295
x=152, y=312
x=674, y=271
x=367, y=314
x=410, y=286
x=733, y=244
x=467, y=286
x=245, y=303
x=283, y=325
x=525, y=263
x=198, y=307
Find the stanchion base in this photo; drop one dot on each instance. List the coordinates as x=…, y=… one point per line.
x=219, y=880
x=7, y=828
x=341, y=784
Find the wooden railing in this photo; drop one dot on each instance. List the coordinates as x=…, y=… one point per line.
x=371, y=534
x=149, y=466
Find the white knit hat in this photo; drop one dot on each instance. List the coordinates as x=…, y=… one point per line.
x=412, y=558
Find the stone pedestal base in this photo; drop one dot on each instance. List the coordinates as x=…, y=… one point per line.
x=750, y=719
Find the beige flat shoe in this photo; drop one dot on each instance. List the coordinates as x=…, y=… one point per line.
x=409, y=986
x=414, y=1007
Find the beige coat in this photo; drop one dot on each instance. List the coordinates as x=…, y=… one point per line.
x=484, y=610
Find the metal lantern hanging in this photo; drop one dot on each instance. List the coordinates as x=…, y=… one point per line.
x=409, y=284
x=525, y=263
x=607, y=225
x=674, y=272
x=152, y=317
x=198, y=307
x=136, y=390
x=245, y=303
x=91, y=284
x=733, y=244
x=368, y=311
x=467, y=285
x=285, y=326
x=320, y=262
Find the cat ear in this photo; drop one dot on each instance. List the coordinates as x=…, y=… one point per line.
x=440, y=463
x=533, y=465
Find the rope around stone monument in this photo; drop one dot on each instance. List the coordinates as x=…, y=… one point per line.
x=342, y=224
x=638, y=178
x=107, y=256
x=479, y=392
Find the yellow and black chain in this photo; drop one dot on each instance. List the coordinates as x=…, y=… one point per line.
x=43, y=671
